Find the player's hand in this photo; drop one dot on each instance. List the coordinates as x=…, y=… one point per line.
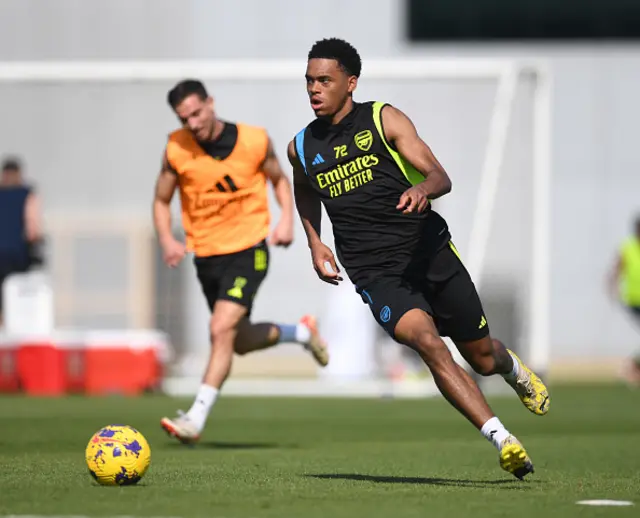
x=173, y=251
x=415, y=199
x=322, y=255
x=282, y=235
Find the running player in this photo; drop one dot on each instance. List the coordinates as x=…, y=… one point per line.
x=625, y=286
x=221, y=170
x=375, y=176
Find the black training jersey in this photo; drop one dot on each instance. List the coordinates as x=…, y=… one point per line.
x=360, y=177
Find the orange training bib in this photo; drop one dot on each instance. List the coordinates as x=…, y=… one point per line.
x=225, y=207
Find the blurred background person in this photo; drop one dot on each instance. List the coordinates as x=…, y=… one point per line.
x=625, y=286
x=20, y=224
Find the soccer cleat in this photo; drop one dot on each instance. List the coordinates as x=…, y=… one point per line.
x=181, y=428
x=514, y=458
x=316, y=345
x=532, y=391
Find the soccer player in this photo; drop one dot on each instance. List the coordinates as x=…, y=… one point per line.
x=625, y=286
x=221, y=170
x=375, y=176
x=21, y=236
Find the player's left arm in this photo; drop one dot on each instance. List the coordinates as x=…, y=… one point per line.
x=402, y=134
x=33, y=229
x=283, y=233
x=33, y=218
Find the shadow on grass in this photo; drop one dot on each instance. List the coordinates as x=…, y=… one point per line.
x=432, y=481
x=232, y=445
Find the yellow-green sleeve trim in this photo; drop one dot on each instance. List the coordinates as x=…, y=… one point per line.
x=411, y=173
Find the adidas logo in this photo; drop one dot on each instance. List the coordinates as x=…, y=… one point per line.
x=317, y=160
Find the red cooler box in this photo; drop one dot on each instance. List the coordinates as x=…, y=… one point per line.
x=124, y=362
x=72, y=344
x=8, y=365
x=51, y=365
x=40, y=366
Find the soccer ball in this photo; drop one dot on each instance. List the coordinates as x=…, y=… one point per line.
x=118, y=455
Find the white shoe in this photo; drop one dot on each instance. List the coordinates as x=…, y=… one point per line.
x=181, y=428
x=316, y=345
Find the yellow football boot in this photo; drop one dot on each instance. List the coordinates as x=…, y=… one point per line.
x=514, y=458
x=532, y=391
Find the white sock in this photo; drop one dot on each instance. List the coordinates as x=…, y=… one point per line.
x=294, y=333
x=495, y=432
x=303, y=334
x=199, y=411
x=515, y=370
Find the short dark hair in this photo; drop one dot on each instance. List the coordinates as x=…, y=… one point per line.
x=184, y=89
x=11, y=164
x=343, y=52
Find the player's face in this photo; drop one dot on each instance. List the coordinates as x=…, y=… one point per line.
x=197, y=116
x=328, y=86
x=11, y=177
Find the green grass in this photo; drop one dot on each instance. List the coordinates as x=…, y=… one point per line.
x=327, y=458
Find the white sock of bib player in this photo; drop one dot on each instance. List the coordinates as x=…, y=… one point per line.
x=199, y=411
x=495, y=432
x=512, y=376
x=298, y=333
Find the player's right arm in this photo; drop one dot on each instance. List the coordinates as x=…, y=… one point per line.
x=166, y=184
x=401, y=132
x=310, y=211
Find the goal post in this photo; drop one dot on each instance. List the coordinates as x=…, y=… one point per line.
x=249, y=75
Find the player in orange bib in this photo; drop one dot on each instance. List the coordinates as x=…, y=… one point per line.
x=221, y=170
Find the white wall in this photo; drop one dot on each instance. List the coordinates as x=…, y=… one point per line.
x=117, y=135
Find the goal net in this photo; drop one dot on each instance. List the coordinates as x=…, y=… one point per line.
x=92, y=133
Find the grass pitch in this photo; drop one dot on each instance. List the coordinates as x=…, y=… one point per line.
x=282, y=458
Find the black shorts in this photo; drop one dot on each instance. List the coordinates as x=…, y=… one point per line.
x=443, y=289
x=235, y=277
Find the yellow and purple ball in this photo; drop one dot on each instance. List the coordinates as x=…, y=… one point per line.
x=118, y=455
